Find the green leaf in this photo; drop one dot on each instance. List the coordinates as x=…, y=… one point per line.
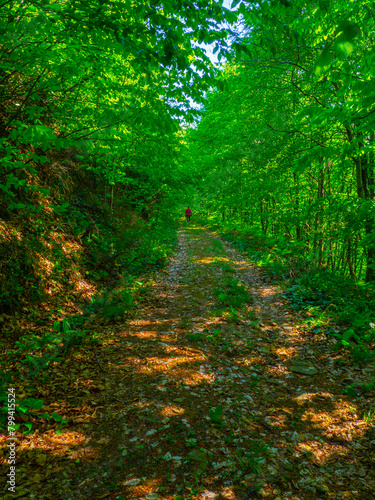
x=357, y=338
x=235, y=3
x=33, y=403
x=17, y=206
x=349, y=391
x=242, y=9
x=323, y=62
x=324, y=5
x=343, y=49
x=347, y=335
x=215, y=415
x=351, y=31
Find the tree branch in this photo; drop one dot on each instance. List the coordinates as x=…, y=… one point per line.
x=4, y=127
x=296, y=132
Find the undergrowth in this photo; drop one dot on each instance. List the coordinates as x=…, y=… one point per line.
x=333, y=304
x=68, y=270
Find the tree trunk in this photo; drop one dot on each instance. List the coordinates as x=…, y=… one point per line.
x=296, y=206
x=365, y=190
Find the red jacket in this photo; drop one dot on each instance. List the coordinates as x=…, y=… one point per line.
x=188, y=211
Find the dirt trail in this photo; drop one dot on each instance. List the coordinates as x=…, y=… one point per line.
x=204, y=400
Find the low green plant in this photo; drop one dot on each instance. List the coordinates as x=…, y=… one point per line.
x=39, y=352
x=370, y=386
x=111, y=306
x=226, y=344
x=359, y=350
x=194, y=336
x=343, y=340
x=251, y=461
x=356, y=390
x=191, y=442
x=229, y=438
x=255, y=324
x=215, y=337
x=256, y=379
x=23, y=408
x=216, y=415
x=369, y=416
x=349, y=390
x=217, y=245
x=69, y=336
x=38, y=364
x=3, y=409
x=5, y=379
x=227, y=268
x=232, y=316
x=233, y=294
x=216, y=312
x=361, y=354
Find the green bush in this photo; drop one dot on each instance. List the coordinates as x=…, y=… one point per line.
x=111, y=306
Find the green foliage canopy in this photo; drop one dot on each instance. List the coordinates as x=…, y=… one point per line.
x=286, y=141
x=102, y=79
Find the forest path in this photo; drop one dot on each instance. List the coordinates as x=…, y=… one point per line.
x=207, y=401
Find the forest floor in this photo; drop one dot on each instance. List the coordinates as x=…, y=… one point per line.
x=212, y=389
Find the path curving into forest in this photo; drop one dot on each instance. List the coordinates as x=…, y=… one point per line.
x=213, y=391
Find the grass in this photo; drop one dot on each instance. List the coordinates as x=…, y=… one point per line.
x=251, y=461
x=227, y=268
x=232, y=293
x=194, y=336
x=217, y=245
x=231, y=316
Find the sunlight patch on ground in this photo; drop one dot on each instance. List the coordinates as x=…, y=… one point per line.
x=205, y=260
x=287, y=352
x=172, y=410
x=69, y=445
x=140, y=322
x=146, y=334
x=137, y=487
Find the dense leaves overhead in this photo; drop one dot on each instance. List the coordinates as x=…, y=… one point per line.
x=99, y=78
x=62, y=46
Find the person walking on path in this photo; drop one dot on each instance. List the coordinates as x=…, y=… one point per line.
x=188, y=213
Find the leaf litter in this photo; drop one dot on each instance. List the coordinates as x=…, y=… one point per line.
x=201, y=399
